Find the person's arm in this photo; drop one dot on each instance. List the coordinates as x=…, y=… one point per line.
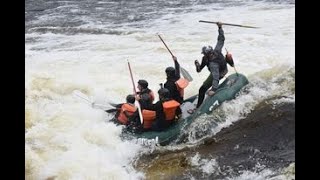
x=178, y=112
x=221, y=39
x=176, y=66
x=153, y=107
x=126, y=113
x=203, y=64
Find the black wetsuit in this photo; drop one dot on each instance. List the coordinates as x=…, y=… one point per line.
x=160, y=122
x=217, y=66
x=145, y=100
x=170, y=84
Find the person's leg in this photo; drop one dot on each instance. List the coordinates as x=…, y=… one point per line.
x=205, y=86
x=202, y=91
x=201, y=95
x=214, y=69
x=223, y=73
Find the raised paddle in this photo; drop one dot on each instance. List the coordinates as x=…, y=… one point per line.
x=212, y=22
x=135, y=92
x=183, y=71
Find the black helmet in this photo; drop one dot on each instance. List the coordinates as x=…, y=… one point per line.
x=130, y=99
x=164, y=92
x=170, y=71
x=143, y=83
x=206, y=50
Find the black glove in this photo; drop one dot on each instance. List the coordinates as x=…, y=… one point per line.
x=196, y=63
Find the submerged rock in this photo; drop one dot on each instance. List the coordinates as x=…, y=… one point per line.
x=265, y=139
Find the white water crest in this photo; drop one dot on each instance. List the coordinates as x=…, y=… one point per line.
x=67, y=139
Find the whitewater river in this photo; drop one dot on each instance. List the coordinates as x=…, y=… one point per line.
x=85, y=44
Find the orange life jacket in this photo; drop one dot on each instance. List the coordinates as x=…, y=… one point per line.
x=130, y=108
x=181, y=84
x=148, y=117
x=169, y=109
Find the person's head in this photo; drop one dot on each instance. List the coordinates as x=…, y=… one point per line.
x=130, y=99
x=170, y=71
x=163, y=93
x=207, y=50
x=142, y=84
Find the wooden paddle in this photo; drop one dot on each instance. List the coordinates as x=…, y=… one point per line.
x=183, y=71
x=212, y=22
x=135, y=92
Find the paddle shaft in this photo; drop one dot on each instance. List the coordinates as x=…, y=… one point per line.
x=165, y=45
x=235, y=69
x=135, y=92
x=183, y=71
x=87, y=100
x=212, y=22
x=134, y=87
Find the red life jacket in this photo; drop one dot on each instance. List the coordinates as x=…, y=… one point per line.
x=181, y=84
x=169, y=109
x=148, y=117
x=130, y=108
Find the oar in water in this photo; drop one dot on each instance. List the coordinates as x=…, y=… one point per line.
x=183, y=71
x=135, y=92
x=212, y=22
x=85, y=98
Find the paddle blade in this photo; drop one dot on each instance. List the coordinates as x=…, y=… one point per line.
x=139, y=110
x=80, y=95
x=100, y=106
x=186, y=74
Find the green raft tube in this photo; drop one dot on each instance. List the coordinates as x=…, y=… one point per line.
x=227, y=90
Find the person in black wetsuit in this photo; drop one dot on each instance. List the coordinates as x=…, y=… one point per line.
x=217, y=65
x=167, y=110
x=145, y=95
x=173, y=75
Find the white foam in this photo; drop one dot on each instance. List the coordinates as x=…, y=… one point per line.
x=70, y=140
